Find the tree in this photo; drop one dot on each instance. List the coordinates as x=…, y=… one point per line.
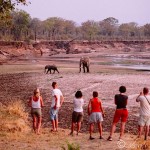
x=21, y=21
x=9, y=5
x=54, y=27
x=127, y=30
x=35, y=25
x=6, y=6
x=108, y=26
x=69, y=29
x=147, y=30
x=90, y=29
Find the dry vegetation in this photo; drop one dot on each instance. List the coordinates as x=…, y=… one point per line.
x=13, y=117
x=20, y=75
x=15, y=133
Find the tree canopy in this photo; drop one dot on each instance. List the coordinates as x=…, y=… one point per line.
x=20, y=26
x=6, y=6
x=9, y=5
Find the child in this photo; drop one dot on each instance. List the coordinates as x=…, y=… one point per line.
x=36, y=103
x=96, y=114
x=77, y=115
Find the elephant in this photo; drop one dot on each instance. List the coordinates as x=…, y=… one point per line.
x=51, y=67
x=85, y=62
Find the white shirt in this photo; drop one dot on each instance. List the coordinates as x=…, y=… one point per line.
x=58, y=94
x=144, y=105
x=78, y=104
x=36, y=104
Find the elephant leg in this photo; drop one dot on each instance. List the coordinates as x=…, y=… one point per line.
x=80, y=67
x=50, y=71
x=87, y=68
x=80, y=70
x=57, y=70
x=83, y=68
x=47, y=71
x=54, y=71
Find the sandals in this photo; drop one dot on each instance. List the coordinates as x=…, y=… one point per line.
x=109, y=138
x=91, y=138
x=101, y=137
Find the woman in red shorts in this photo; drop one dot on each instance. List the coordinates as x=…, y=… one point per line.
x=120, y=113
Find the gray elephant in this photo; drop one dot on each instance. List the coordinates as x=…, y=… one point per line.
x=85, y=63
x=51, y=67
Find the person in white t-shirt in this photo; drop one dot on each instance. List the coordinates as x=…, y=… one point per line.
x=57, y=101
x=144, y=119
x=77, y=115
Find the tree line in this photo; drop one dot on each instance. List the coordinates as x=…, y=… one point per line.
x=19, y=26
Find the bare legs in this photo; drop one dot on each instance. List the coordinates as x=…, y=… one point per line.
x=122, y=129
x=73, y=126
x=113, y=128
x=141, y=130
x=100, y=128
x=55, y=125
x=37, y=124
x=92, y=128
x=34, y=123
x=146, y=132
x=78, y=127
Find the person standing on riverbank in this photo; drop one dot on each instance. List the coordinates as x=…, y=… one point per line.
x=144, y=118
x=77, y=115
x=57, y=101
x=96, y=114
x=120, y=113
x=36, y=102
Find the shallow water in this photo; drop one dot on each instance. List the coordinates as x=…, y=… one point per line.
x=135, y=67
x=130, y=63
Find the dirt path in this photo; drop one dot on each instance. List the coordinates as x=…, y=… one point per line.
x=55, y=141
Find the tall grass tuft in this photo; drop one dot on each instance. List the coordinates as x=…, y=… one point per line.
x=13, y=117
x=17, y=108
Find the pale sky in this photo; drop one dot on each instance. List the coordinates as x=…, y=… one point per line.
x=82, y=10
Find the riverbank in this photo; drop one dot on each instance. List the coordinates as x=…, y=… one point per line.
x=19, y=77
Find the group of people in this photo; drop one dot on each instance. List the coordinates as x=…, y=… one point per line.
x=95, y=111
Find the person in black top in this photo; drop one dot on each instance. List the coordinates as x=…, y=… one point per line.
x=120, y=113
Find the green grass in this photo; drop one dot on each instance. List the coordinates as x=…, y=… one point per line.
x=71, y=146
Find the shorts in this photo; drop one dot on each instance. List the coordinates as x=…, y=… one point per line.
x=144, y=120
x=77, y=116
x=36, y=111
x=120, y=114
x=95, y=117
x=54, y=113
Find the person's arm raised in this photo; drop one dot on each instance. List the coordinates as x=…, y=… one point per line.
x=137, y=99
